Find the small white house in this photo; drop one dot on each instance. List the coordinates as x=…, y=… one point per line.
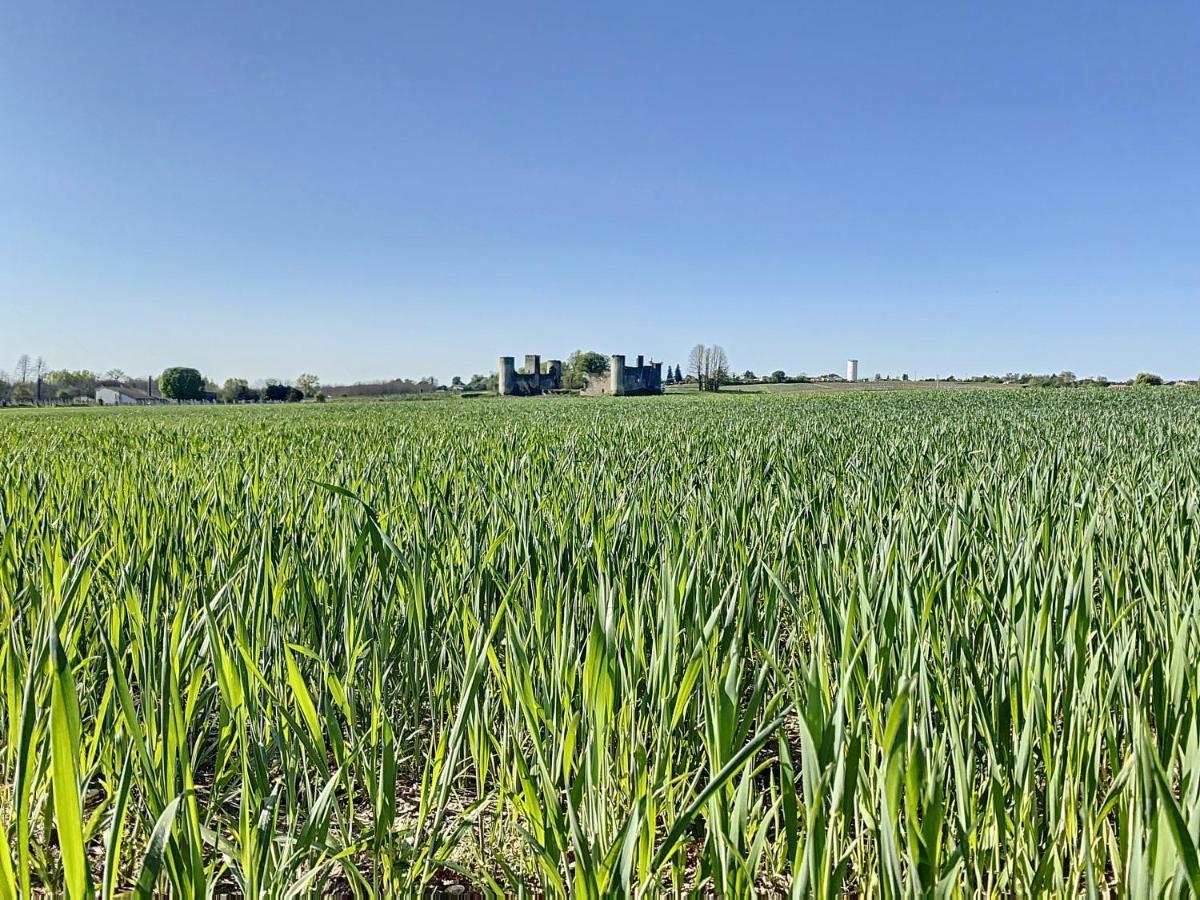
x=126, y=395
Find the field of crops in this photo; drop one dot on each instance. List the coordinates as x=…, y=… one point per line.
x=885, y=644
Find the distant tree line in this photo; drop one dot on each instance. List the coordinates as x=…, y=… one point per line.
x=1064, y=379
x=184, y=383
x=33, y=382
x=238, y=390
x=395, y=387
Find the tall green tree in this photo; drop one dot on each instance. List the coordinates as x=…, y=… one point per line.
x=237, y=390
x=181, y=383
x=580, y=365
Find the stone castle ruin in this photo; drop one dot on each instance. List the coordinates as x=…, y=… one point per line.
x=532, y=380
x=620, y=380
x=626, y=381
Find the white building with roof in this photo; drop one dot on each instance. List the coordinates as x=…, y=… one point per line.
x=128, y=395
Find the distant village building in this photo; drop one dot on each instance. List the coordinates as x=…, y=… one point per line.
x=128, y=395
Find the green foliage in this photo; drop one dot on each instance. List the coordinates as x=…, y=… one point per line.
x=21, y=392
x=1062, y=379
x=479, y=383
x=580, y=365
x=867, y=644
x=282, y=393
x=237, y=390
x=181, y=383
x=1148, y=378
x=65, y=385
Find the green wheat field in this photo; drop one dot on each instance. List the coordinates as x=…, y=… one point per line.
x=879, y=645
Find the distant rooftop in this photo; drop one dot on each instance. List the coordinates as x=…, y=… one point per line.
x=134, y=392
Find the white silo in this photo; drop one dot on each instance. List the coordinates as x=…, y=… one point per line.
x=852, y=370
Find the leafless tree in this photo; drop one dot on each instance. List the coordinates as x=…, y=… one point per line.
x=709, y=366
x=39, y=371
x=718, y=367
x=21, y=372
x=696, y=363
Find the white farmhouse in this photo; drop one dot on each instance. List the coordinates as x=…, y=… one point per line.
x=127, y=395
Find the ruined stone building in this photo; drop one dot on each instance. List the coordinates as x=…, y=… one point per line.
x=626, y=381
x=533, y=380
x=620, y=380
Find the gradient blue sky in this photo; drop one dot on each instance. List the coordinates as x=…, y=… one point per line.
x=375, y=191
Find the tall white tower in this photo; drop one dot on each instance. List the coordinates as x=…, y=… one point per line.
x=852, y=370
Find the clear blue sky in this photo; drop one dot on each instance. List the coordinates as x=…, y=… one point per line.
x=375, y=191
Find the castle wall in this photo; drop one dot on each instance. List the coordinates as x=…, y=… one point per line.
x=512, y=383
x=624, y=380
x=506, y=383
x=643, y=379
x=621, y=379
